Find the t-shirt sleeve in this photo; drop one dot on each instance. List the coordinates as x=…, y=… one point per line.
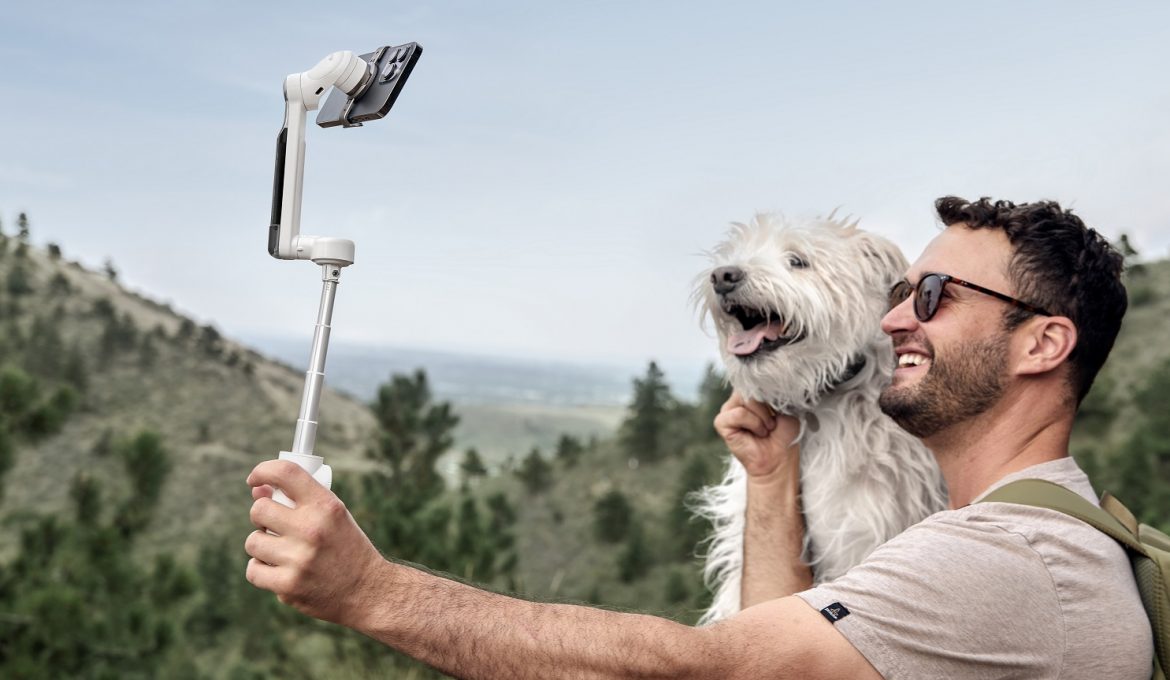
x=949, y=598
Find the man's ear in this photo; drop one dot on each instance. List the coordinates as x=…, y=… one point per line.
x=1046, y=343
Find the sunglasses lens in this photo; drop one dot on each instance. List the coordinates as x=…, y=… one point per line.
x=899, y=293
x=926, y=297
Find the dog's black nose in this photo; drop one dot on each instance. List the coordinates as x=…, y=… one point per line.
x=725, y=279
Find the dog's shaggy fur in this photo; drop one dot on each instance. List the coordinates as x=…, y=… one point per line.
x=811, y=296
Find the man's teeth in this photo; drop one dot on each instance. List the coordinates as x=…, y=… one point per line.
x=911, y=360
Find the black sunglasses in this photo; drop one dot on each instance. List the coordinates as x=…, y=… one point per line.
x=928, y=294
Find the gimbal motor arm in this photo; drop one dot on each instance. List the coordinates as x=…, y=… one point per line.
x=302, y=93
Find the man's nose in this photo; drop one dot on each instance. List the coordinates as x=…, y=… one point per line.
x=725, y=279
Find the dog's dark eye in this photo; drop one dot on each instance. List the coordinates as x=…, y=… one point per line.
x=797, y=262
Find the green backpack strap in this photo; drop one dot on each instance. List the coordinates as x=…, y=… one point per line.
x=1149, y=549
x=1045, y=494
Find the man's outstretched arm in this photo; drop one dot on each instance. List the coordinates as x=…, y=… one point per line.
x=322, y=563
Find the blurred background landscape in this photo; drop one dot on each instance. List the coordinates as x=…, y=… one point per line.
x=127, y=429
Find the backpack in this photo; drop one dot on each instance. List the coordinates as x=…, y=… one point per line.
x=1148, y=548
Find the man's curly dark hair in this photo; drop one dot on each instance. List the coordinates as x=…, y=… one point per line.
x=1058, y=264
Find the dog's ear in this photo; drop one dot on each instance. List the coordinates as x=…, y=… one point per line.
x=884, y=262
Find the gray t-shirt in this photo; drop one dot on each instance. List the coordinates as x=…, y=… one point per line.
x=996, y=590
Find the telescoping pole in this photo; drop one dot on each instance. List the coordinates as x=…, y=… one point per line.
x=305, y=436
x=306, y=432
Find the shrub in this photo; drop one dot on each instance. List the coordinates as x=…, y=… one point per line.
x=612, y=517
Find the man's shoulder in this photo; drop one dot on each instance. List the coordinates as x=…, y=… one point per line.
x=1050, y=533
x=979, y=537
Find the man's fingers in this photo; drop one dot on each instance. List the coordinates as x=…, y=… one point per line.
x=268, y=548
x=763, y=412
x=728, y=422
x=268, y=514
x=759, y=408
x=288, y=477
x=264, y=575
x=262, y=491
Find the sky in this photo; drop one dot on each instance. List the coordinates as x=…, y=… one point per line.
x=551, y=175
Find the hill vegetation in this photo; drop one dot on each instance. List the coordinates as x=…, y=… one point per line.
x=126, y=429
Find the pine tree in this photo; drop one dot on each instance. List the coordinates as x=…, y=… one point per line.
x=635, y=558
x=644, y=432
x=210, y=341
x=535, y=472
x=59, y=285
x=17, y=281
x=413, y=432
x=87, y=499
x=22, y=227
x=1132, y=263
x=472, y=466
x=569, y=450
x=104, y=309
x=185, y=330
x=612, y=517
x=148, y=465
x=401, y=507
x=19, y=393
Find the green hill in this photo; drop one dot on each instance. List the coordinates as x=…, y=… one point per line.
x=220, y=407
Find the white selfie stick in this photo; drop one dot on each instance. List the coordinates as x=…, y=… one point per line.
x=302, y=93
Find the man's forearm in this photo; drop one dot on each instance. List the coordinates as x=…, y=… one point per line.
x=471, y=633
x=773, y=539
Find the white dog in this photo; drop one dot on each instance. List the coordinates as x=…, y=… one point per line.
x=798, y=307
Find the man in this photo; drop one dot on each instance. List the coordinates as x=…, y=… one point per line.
x=999, y=329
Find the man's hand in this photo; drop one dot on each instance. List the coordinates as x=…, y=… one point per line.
x=319, y=561
x=760, y=438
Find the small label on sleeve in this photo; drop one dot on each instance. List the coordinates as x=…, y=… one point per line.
x=835, y=612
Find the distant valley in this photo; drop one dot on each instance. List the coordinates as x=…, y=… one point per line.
x=471, y=379
x=507, y=406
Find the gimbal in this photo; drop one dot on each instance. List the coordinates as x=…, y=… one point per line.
x=364, y=89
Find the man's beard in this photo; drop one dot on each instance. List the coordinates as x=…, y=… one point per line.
x=953, y=389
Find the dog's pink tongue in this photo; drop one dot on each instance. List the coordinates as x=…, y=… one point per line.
x=746, y=342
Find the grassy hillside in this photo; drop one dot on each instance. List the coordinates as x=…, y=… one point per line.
x=219, y=406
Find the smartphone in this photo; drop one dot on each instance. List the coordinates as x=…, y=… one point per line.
x=392, y=66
